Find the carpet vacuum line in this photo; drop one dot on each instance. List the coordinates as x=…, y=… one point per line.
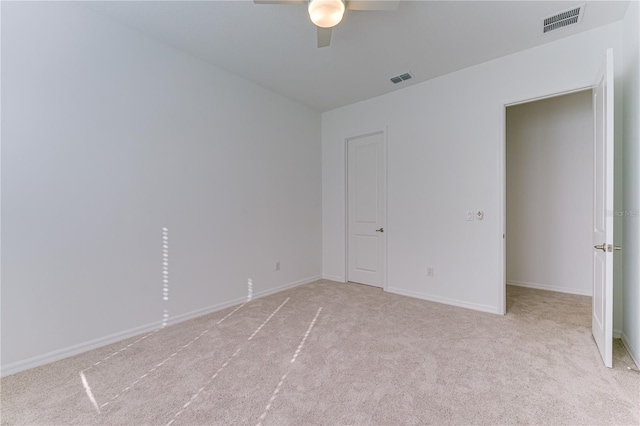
x=284, y=377
x=85, y=383
x=174, y=354
x=219, y=370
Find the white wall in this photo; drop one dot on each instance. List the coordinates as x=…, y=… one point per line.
x=444, y=156
x=107, y=137
x=550, y=193
x=631, y=247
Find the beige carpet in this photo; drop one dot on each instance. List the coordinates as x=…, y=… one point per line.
x=368, y=358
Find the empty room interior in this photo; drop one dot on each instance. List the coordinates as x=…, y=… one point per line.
x=325, y=212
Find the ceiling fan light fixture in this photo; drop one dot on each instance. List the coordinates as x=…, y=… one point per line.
x=326, y=13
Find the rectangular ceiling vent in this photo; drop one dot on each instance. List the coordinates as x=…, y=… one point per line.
x=400, y=78
x=563, y=19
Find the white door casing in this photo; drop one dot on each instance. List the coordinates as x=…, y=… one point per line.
x=366, y=200
x=602, y=312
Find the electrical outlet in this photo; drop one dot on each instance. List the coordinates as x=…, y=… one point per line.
x=277, y=266
x=430, y=271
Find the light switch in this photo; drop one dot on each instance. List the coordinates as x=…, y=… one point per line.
x=470, y=215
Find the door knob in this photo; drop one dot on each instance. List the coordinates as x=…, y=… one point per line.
x=607, y=247
x=380, y=230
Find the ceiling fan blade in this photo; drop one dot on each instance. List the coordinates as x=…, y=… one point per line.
x=385, y=5
x=324, y=36
x=280, y=2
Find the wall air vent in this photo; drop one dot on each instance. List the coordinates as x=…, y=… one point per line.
x=400, y=78
x=563, y=19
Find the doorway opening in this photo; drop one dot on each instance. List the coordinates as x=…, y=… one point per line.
x=602, y=207
x=549, y=191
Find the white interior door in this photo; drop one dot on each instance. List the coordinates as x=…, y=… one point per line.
x=365, y=209
x=602, y=318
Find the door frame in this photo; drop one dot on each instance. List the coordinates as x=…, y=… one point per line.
x=384, y=134
x=502, y=178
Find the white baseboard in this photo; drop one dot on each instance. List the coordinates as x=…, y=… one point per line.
x=303, y=281
x=444, y=300
x=633, y=352
x=59, y=354
x=577, y=291
x=617, y=334
x=333, y=278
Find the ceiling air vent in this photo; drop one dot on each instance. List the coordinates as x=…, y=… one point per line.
x=563, y=19
x=400, y=78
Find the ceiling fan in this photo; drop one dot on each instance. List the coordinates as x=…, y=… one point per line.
x=326, y=14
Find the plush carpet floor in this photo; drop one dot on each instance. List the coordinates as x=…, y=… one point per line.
x=366, y=357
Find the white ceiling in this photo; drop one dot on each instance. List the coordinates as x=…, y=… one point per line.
x=275, y=45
